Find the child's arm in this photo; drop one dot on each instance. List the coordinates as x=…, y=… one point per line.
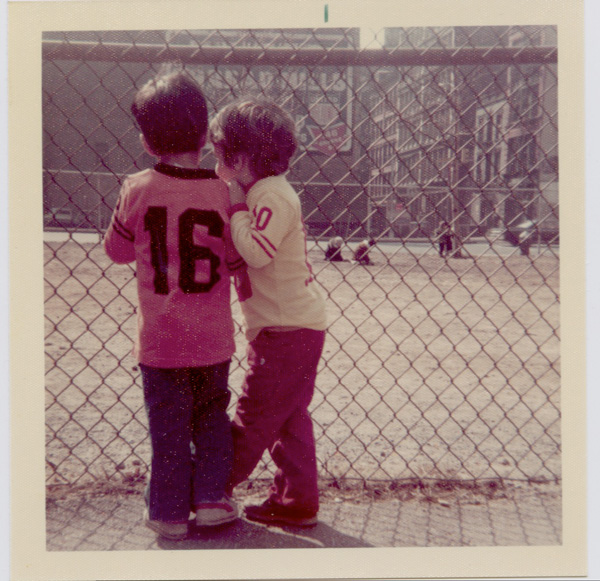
x=233, y=260
x=237, y=268
x=119, y=240
x=257, y=234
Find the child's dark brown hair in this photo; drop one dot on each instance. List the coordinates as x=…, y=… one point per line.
x=256, y=128
x=171, y=113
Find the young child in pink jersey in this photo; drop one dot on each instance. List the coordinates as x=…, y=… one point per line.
x=172, y=221
x=285, y=314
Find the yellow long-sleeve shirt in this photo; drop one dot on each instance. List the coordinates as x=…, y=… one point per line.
x=269, y=234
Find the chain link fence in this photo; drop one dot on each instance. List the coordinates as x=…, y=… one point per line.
x=442, y=357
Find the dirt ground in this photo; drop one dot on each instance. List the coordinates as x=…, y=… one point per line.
x=444, y=369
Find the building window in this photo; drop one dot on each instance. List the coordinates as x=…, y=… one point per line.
x=521, y=155
x=489, y=144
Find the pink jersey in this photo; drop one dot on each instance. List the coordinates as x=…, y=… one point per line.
x=173, y=223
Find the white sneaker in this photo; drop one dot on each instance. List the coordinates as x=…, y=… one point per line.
x=174, y=531
x=210, y=514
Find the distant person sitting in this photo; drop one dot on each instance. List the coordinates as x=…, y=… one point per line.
x=334, y=250
x=361, y=254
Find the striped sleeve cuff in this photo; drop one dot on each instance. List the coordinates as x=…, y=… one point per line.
x=124, y=232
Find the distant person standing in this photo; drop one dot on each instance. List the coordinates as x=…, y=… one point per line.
x=525, y=241
x=444, y=237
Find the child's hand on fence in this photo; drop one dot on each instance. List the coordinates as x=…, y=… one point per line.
x=236, y=193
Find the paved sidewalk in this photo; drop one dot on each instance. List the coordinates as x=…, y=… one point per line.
x=517, y=515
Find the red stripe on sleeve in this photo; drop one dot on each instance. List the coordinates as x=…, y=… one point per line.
x=268, y=241
x=262, y=246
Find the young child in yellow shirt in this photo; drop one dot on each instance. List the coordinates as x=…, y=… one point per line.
x=254, y=142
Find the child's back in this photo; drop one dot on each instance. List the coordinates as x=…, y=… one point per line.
x=177, y=220
x=172, y=221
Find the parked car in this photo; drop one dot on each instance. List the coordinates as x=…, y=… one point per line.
x=58, y=217
x=531, y=232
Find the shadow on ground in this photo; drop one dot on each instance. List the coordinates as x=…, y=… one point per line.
x=526, y=515
x=115, y=523
x=246, y=535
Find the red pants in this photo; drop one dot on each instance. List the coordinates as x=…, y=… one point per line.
x=272, y=413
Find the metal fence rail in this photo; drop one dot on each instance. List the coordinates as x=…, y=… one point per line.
x=434, y=367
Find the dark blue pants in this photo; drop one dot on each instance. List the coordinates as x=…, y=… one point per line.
x=190, y=434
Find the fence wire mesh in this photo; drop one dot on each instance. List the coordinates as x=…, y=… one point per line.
x=442, y=358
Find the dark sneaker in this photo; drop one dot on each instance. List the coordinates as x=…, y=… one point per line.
x=275, y=514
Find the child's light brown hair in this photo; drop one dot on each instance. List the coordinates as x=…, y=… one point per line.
x=258, y=129
x=171, y=113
